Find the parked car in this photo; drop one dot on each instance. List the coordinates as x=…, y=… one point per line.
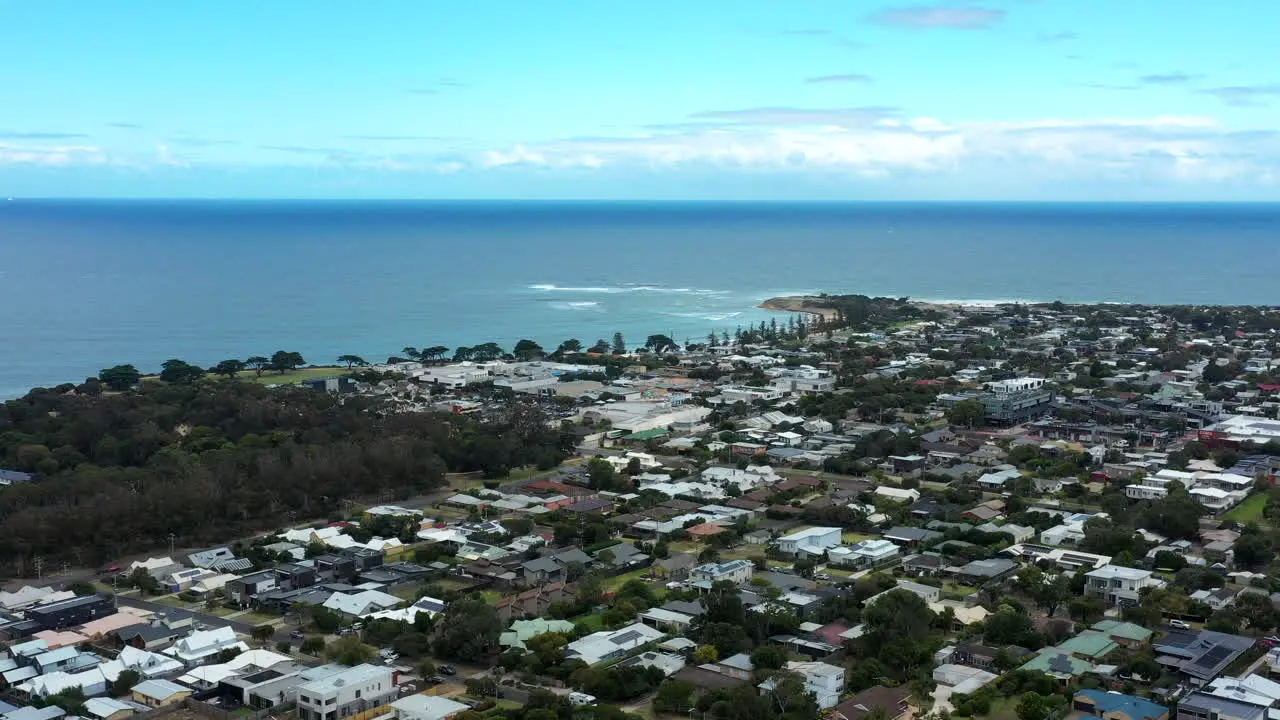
x=1180, y=624
x=447, y=670
x=296, y=635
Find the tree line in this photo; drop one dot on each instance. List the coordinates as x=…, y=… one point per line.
x=181, y=372
x=208, y=462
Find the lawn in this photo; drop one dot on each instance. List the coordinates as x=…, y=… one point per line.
x=253, y=618
x=849, y=538
x=593, y=622
x=952, y=591
x=618, y=581
x=293, y=376
x=1250, y=510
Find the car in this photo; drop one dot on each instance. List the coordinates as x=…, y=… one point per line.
x=447, y=670
x=435, y=679
x=296, y=635
x=1180, y=624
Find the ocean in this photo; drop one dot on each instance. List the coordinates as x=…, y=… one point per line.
x=89, y=284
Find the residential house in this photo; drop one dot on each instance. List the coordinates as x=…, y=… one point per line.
x=346, y=693
x=1201, y=656
x=1126, y=634
x=431, y=707
x=734, y=571
x=74, y=611
x=202, y=645
x=532, y=603
x=245, y=591
x=912, y=537
x=865, y=553
x=1205, y=706
x=361, y=604
x=1116, y=706
x=824, y=682
x=810, y=541
x=891, y=701
x=675, y=566
x=609, y=644
x=1118, y=585
x=158, y=693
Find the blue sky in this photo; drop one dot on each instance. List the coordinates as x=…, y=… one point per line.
x=748, y=99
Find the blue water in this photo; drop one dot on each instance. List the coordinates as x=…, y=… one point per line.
x=86, y=284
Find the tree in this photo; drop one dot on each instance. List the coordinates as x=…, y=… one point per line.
x=600, y=474
x=527, y=350
x=1007, y=626
x=120, y=377
x=1253, y=549
x=123, y=683
x=470, y=627
x=600, y=348
x=312, y=645
x=1032, y=706
x=81, y=588
x=966, y=413
x=283, y=361
x=768, y=657
x=228, y=368
x=706, y=654
x=325, y=619
x=352, y=361
x=179, y=372
x=619, y=346
x=572, y=345
x=258, y=363
x=659, y=343
x=674, y=696
x=350, y=650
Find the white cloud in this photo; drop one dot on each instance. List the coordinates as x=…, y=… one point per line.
x=51, y=155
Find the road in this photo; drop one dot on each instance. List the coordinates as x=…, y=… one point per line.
x=181, y=613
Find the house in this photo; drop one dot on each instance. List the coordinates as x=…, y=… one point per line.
x=811, y=541
x=158, y=693
x=1089, y=645
x=824, y=682
x=358, y=605
x=22, y=598
x=349, y=692
x=212, y=558
x=1218, y=598
x=996, y=481
x=522, y=630
x=734, y=571
x=1205, y=706
x=896, y=494
x=1116, y=706
x=912, y=536
x=1118, y=585
x=151, y=636
x=980, y=571
x=675, y=566
x=429, y=707
x=928, y=593
x=982, y=514
x=865, y=553
x=74, y=611
x=1202, y=655
x=892, y=701
x=1057, y=664
x=103, y=708
x=609, y=644
x=245, y=590
x=667, y=620
x=532, y=603
x=1123, y=633
x=198, y=647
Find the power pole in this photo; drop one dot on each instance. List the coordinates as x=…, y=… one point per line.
x=171, y=536
x=39, y=565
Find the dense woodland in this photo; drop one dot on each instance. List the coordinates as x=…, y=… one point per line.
x=215, y=460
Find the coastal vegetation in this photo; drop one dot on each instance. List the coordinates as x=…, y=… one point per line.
x=198, y=461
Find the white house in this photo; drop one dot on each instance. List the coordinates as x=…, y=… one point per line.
x=346, y=693
x=203, y=644
x=362, y=603
x=1118, y=585
x=426, y=707
x=995, y=481
x=866, y=553
x=734, y=571
x=813, y=541
x=897, y=494
x=825, y=682
x=609, y=644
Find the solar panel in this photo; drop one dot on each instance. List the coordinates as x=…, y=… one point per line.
x=1214, y=657
x=626, y=637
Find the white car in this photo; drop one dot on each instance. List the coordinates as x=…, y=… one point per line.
x=1180, y=624
x=578, y=698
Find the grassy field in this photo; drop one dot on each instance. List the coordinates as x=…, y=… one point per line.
x=952, y=591
x=593, y=622
x=849, y=538
x=294, y=376
x=1250, y=510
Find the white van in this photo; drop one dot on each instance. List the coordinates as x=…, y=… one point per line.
x=578, y=698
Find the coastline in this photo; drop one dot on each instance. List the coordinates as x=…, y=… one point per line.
x=798, y=304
